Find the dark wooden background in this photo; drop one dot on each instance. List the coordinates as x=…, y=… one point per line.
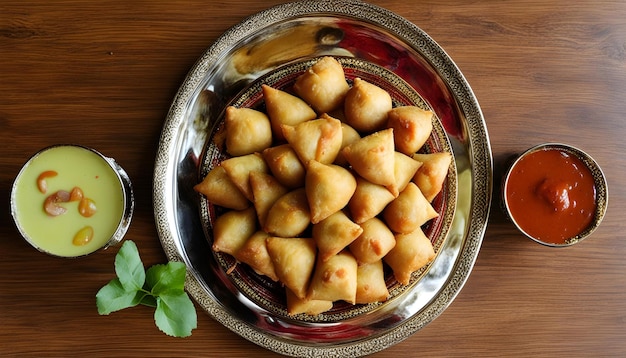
x=104, y=73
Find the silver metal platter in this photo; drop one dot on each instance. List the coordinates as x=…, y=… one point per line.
x=257, y=46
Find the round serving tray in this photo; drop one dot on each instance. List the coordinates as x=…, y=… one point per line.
x=260, y=44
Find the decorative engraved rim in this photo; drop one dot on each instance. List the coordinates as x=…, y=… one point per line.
x=177, y=162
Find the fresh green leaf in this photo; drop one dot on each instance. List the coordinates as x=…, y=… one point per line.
x=169, y=278
x=175, y=314
x=113, y=297
x=149, y=300
x=129, y=268
x=161, y=286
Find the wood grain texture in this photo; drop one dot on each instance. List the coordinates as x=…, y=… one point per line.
x=104, y=74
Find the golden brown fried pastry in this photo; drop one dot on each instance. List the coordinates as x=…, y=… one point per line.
x=408, y=211
x=334, y=233
x=289, y=216
x=368, y=200
x=366, y=106
x=375, y=241
x=284, y=164
x=220, y=190
x=370, y=283
x=329, y=188
x=296, y=305
x=411, y=127
x=247, y=131
x=319, y=139
x=334, y=279
x=372, y=157
x=323, y=86
x=254, y=254
x=405, y=168
x=351, y=194
x=293, y=259
x=349, y=136
x=232, y=229
x=431, y=175
x=238, y=170
x=285, y=108
x=412, y=252
x=266, y=190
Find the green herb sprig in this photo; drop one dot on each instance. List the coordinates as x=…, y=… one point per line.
x=161, y=286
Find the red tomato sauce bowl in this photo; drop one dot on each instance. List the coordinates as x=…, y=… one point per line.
x=555, y=194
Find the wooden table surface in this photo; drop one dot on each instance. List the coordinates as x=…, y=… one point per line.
x=103, y=74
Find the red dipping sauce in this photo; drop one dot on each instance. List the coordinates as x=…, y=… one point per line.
x=551, y=195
